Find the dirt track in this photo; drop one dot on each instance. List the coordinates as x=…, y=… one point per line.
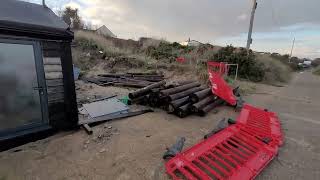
x=298, y=106
x=132, y=148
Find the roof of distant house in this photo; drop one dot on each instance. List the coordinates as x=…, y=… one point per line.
x=107, y=30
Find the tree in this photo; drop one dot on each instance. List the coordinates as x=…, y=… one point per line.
x=72, y=18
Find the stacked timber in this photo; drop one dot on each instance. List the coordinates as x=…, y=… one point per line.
x=181, y=99
x=135, y=80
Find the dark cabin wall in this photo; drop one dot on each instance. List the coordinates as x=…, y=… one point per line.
x=60, y=84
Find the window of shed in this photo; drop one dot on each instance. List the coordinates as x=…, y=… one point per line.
x=20, y=104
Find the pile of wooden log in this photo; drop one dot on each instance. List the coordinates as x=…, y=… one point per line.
x=182, y=98
x=136, y=80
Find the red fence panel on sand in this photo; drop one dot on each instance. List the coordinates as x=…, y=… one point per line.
x=240, y=151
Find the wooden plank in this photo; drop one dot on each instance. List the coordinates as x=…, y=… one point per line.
x=46, y=45
x=87, y=128
x=54, y=75
x=51, y=61
x=52, y=68
x=54, y=101
x=56, y=108
x=51, y=53
x=56, y=96
x=54, y=90
x=58, y=119
x=54, y=82
x=69, y=85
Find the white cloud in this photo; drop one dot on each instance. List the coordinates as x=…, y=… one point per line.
x=73, y=5
x=206, y=20
x=242, y=17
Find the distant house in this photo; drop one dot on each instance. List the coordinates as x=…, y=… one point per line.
x=191, y=43
x=103, y=30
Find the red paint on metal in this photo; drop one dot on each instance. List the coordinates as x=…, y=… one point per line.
x=219, y=85
x=180, y=59
x=237, y=152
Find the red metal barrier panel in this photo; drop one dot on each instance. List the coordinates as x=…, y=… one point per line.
x=219, y=85
x=262, y=123
x=237, y=152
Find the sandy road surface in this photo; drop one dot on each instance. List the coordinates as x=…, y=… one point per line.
x=298, y=106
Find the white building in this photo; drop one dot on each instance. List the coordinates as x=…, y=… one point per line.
x=190, y=43
x=103, y=30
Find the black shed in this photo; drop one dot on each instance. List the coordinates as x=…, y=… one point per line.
x=37, y=90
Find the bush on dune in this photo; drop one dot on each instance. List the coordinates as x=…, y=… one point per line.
x=248, y=67
x=275, y=69
x=317, y=72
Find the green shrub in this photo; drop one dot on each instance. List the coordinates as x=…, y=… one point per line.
x=165, y=50
x=248, y=67
x=275, y=70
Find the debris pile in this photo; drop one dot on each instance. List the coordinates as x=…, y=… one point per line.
x=182, y=98
x=136, y=80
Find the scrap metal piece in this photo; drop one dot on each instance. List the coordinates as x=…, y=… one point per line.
x=106, y=107
x=114, y=116
x=175, y=149
x=221, y=125
x=219, y=86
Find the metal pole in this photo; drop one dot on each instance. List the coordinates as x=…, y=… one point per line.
x=249, y=41
x=294, y=40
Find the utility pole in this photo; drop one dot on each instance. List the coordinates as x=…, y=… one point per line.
x=249, y=41
x=294, y=40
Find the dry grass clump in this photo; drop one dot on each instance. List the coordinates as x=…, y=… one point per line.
x=275, y=70
x=317, y=71
x=93, y=40
x=150, y=42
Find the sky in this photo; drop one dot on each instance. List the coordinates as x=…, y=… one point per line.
x=219, y=22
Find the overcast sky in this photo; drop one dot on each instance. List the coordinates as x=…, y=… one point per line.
x=219, y=22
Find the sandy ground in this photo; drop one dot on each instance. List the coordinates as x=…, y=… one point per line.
x=132, y=148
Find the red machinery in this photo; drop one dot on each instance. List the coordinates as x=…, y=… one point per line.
x=220, y=87
x=240, y=151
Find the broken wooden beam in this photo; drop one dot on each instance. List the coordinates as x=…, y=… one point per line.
x=87, y=128
x=145, y=90
x=197, y=96
x=184, y=110
x=182, y=94
x=174, y=105
x=211, y=106
x=195, y=107
x=178, y=89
